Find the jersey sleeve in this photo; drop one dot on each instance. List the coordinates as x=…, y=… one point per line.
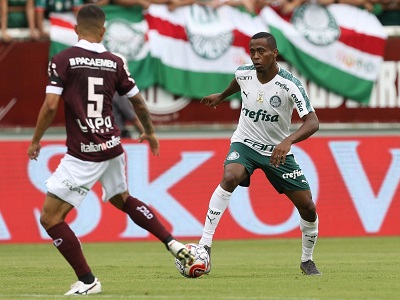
x=126, y=85
x=55, y=84
x=239, y=72
x=300, y=99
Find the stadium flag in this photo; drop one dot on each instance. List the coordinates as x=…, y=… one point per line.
x=339, y=47
x=126, y=35
x=197, y=49
x=194, y=50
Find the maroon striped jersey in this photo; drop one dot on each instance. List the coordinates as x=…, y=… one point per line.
x=87, y=76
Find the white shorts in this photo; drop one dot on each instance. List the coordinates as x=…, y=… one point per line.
x=74, y=178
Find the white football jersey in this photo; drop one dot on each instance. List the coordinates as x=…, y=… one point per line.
x=266, y=112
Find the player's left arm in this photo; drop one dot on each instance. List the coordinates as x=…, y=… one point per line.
x=309, y=126
x=143, y=114
x=45, y=118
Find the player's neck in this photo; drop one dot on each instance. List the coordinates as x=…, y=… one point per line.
x=265, y=77
x=268, y=75
x=90, y=39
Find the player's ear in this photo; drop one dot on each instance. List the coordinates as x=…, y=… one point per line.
x=76, y=29
x=276, y=52
x=103, y=31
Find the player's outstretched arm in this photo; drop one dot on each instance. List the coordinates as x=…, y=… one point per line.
x=45, y=118
x=143, y=114
x=214, y=100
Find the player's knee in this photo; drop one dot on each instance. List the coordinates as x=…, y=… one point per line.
x=309, y=211
x=47, y=220
x=306, y=207
x=230, y=181
x=312, y=213
x=119, y=200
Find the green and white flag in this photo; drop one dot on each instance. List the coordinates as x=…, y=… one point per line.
x=197, y=48
x=194, y=50
x=126, y=34
x=339, y=47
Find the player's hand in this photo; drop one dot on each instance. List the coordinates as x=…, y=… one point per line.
x=278, y=156
x=34, y=150
x=212, y=100
x=153, y=142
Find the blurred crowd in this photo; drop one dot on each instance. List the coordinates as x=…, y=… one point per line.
x=32, y=14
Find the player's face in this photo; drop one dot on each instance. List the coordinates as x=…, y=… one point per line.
x=261, y=54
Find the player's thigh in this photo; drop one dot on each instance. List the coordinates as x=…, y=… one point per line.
x=286, y=177
x=74, y=178
x=113, y=180
x=239, y=164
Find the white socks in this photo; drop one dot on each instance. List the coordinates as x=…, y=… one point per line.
x=218, y=203
x=309, y=238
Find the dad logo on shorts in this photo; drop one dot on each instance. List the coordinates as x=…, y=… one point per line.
x=208, y=35
x=316, y=23
x=124, y=38
x=233, y=155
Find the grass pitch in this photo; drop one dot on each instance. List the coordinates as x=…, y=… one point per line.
x=353, y=268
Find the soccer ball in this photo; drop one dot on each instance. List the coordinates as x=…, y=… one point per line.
x=200, y=264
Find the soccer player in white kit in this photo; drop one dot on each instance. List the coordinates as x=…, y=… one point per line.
x=85, y=77
x=263, y=141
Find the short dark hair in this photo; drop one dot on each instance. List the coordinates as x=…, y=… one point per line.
x=271, y=41
x=91, y=14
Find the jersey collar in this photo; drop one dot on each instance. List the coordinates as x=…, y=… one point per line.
x=94, y=47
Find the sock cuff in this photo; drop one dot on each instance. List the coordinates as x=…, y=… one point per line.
x=222, y=193
x=129, y=200
x=309, y=226
x=51, y=230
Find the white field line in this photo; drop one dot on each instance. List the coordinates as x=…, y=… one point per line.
x=10, y=296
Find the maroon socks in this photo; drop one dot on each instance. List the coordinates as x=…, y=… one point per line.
x=144, y=216
x=69, y=246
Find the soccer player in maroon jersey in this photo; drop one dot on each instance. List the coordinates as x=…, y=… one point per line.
x=86, y=76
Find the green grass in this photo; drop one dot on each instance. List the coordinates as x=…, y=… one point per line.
x=353, y=268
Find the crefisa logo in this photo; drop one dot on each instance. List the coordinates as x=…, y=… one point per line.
x=316, y=24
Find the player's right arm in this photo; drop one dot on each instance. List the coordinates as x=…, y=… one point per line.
x=214, y=99
x=45, y=118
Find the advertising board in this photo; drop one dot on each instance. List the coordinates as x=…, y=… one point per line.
x=354, y=180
